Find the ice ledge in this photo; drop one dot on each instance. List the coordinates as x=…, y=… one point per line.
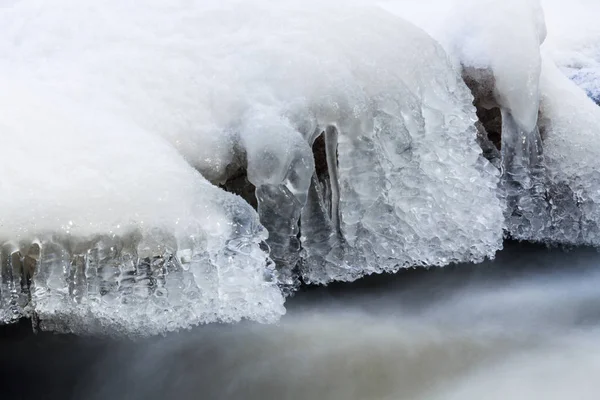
x=134, y=284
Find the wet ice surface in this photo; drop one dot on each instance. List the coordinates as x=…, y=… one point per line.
x=522, y=327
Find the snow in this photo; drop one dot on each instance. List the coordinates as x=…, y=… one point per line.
x=573, y=40
x=224, y=84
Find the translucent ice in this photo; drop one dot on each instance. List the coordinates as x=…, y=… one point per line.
x=549, y=164
x=400, y=162
x=570, y=125
x=106, y=228
x=354, y=129
x=350, y=130
x=496, y=44
x=231, y=86
x=503, y=36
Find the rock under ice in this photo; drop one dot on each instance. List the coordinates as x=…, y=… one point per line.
x=365, y=144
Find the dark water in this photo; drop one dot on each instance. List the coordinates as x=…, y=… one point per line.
x=525, y=326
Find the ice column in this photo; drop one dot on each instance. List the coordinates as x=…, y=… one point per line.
x=523, y=179
x=280, y=165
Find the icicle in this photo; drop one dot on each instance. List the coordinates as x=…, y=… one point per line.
x=279, y=211
x=322, y=239
x=12, y=299
x=331, y=143
x=523, y=180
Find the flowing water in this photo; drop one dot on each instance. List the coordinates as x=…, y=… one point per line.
x=522, y=327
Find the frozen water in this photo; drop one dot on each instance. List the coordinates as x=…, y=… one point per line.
x=353, y=126
x=388, y=199
x=561, y=182
x=571, y=127
x=548, y=165
x=503, y=36
x=104, y=225
x=399, y=205
x=570, y=123
x=496, y=43
x=251, y=84
x=279, y=165
x=523, y=179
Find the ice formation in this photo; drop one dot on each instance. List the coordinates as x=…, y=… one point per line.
x=105, y=225
x=358, y=137
x=547, y=153
x=106, y=103
x=570, y=123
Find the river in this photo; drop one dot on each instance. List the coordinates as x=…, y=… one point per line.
x=524, y=326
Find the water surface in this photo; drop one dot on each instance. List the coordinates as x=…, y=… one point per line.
x=525, y=326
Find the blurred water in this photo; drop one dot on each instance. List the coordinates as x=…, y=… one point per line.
x=523, y=327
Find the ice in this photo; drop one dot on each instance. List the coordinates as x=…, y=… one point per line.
x=571, y=127
x=548, y=164
x=503, y=36
x=496, y=44
x=98, y=218
x=409, y=172
x=359, y=138
x=523, y=180
x=279, y=164
x=570, y=122
x=554, y=193
x=126, y=101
